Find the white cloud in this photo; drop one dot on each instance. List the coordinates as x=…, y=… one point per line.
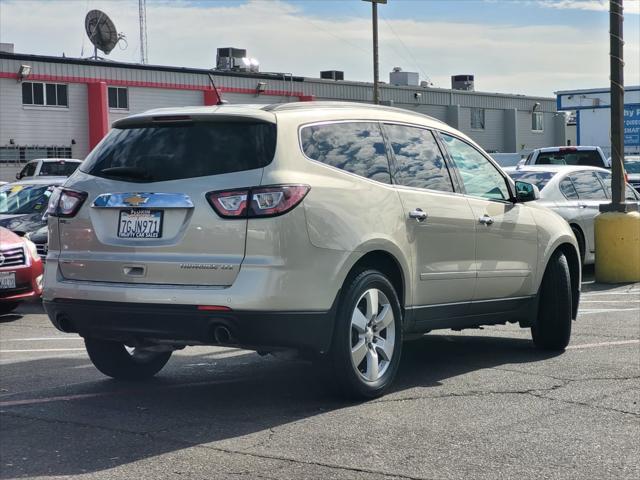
x=630, y=6
x=530, y=60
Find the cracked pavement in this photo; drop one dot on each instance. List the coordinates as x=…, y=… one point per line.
x=472, y=404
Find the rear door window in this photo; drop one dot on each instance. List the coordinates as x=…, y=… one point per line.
x=568, y=190
x=155, y=153
x=606, y=179
x=356, y=147
x=588, y=186
x=418, y=160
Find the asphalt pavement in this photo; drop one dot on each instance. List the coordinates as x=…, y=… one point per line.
x=466, y=405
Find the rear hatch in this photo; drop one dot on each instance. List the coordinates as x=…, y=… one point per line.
x=146, y=218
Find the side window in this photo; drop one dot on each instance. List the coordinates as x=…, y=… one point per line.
x=418, y=160
x=606, y=179
x=588, y=186
x=356, y=147
x=480, y=177
x=568, y=190
x=28, y=170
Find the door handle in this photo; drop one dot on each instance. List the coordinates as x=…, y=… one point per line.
x=485, y=220
x=418, y=214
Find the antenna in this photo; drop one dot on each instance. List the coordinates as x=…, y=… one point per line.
x=101, y=32
x=215, y=89
x=142, y=14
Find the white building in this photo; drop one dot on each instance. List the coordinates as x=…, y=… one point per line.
x=593, y=117
x=62, y=107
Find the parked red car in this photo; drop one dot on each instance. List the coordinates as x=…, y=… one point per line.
x=21, y=270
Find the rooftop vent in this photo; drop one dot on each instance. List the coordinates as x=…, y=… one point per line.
x=404, y=79
x=332, y=75
x=463, y=82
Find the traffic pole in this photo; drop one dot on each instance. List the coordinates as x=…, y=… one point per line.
x=374, y=21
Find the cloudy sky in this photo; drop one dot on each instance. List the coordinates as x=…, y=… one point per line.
x=514, y=46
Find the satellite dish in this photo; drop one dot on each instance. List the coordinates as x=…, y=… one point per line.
x=101, y=32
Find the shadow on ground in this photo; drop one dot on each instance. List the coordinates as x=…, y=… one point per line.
x=199, y=400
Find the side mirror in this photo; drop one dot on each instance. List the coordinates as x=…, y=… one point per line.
x=18, y=175
x=526, y=192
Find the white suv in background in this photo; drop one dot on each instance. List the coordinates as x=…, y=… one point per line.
x=50, y=167
x=583, y=156
x=331, y=228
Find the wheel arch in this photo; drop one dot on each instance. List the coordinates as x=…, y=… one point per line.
x=570, y=251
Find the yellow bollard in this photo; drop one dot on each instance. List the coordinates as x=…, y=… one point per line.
x=617, y=242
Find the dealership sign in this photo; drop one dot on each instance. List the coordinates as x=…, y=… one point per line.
x=632, y=125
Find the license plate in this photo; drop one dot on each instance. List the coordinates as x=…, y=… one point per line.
x=7, y=280
x=140, y=223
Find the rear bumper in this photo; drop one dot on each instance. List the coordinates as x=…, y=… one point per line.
x=185, y=324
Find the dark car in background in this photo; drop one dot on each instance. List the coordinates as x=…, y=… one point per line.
x=23, y=203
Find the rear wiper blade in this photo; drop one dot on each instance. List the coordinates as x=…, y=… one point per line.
x=126, y=172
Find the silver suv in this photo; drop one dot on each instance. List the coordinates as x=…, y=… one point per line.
x=330, y=228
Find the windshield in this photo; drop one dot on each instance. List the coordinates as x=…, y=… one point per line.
x=589, y=158
x=171, y=152
x=24, y=199
x=539, y=179
x=632, y=164
x=61, y=168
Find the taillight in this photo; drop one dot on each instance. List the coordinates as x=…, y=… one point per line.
x=65, y=203
x=257, y=202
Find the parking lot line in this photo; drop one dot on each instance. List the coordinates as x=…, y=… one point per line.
x=603, y=344
x=582, y=311
x=628, y=292
x=43, y=350
x=36, y=339
x=610, y=301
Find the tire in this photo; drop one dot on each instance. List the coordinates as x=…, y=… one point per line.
x=7, y=307
x=552, y=329
x=581, y=243
x=114, y=360
x=368, y=328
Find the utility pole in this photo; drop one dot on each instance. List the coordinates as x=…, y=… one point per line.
x=374, y=20
x=142, y=17
x=617, y=105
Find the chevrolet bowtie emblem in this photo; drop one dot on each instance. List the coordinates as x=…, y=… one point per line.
x=136, y=200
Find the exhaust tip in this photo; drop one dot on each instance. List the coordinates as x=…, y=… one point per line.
x=222, y=335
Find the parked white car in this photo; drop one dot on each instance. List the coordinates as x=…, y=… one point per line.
x=585, y=156
x=575, y=193
x=632, y=168
x=50, y=167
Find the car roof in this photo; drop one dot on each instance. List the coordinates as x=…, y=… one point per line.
x=54, y=160
x=554, y=168
x=270, y=112
x=567, y=148
x=45, y=180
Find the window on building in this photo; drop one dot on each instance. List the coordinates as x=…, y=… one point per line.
x=48, y=94
x=418, y=161
x=356, y=147
x=118, y=98
x=477, y=118
x=537, y=122
x=480, y=177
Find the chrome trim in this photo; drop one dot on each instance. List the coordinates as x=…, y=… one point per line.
x=448, y=275
x=147, y=200
x=416, y=307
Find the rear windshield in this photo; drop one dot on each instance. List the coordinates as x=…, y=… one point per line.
x=632, y=165
x=539, y=179
x=171, y=152
x=63, y=169
x=589, y=158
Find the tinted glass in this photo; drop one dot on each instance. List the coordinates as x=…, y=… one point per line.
x=63, y=169
x=356, y=147
x=480, y=177
x=30, y=169
x=606, y=179
x=590, y=158
x=38, y=94
x=27, y=93
x=588, y=186
x=159, y=153
x=418, y=161
x=539, y=179
x=62, y=95
x=51, y=93
x=113, y=97
x=24, y=199
x=122, y=98
x=632, y=164
x=568, y=190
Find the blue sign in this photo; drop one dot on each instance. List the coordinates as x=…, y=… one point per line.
x=632, y=125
